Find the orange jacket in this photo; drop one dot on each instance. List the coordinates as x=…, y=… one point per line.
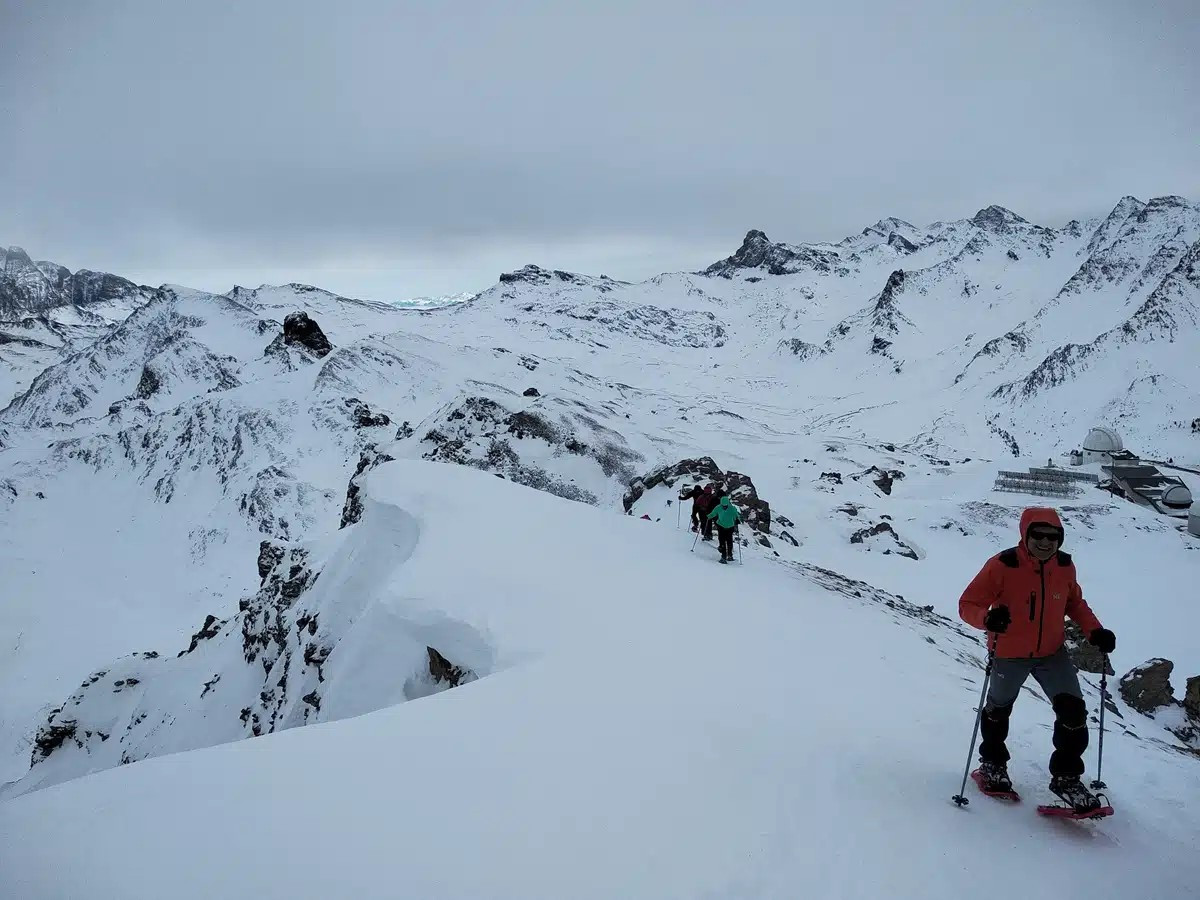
x=1038, y=595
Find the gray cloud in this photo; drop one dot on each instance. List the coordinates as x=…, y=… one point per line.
x=423, y=147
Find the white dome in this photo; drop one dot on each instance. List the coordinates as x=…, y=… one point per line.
x=1177, y=495
x=1102, y=440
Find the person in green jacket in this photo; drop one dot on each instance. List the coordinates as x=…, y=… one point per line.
x=727, y=518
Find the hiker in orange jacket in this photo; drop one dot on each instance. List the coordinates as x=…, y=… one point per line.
x=1021, y=597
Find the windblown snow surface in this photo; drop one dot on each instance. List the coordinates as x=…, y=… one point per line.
x=370, y=621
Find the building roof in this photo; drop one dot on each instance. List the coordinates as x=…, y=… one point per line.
x=1102, y=440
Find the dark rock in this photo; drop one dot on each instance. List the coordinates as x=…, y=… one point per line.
x=361, y=414
x=1191, y=697
x=352, y=509
x=835, y=477
x=997, y=218
x=757, y=251
x=298, y=328
x=313, y=699
x=441, y=669
x=1086, y=657
x=696, y=471
x=783, y=535
x=52, y=735
x=531, y=392
x=148, y=385
x=315, y=655
x=210, y=628
x=862, y=534
x=1148, y=687
x=404, y=431
x=884, y=478
x=269, y=556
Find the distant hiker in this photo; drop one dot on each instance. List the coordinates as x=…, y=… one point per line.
x=705, y=504
x=693, y=493
x=727, y=518
x=1021, y=596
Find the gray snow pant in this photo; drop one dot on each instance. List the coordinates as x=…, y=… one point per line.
x=1058, y=679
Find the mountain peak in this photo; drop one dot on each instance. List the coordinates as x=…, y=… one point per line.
x=15, y=255
x=997, y=217
x=757, y=251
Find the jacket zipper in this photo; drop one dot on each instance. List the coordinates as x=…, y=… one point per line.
x=1042, y=618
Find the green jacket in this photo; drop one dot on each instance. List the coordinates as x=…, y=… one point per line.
x=725, y=513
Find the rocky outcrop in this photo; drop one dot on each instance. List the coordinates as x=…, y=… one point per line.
x=756, y=512
x=693, y=471
x=892, y=543
x=299, y=329
x=1191, y=697
x=442, y=670
x=210, y=628
x=1148, y=687
x=522, y=445
x=33, y=287
x=362, y=416
x=352, y=509
x=757, y=252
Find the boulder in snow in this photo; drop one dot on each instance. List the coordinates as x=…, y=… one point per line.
x=1148, y=687
x=298, y=328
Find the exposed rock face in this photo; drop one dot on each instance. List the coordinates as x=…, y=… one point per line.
x=210, y=629
x=362, y=416
x=298, y=328
x=29, y=287
x=757, y=252
x=1191, y=697
x=756, y=512
x=352, y=510
x=442, y=670
x=522, y=445
x=863, y=535
x=1148, y=687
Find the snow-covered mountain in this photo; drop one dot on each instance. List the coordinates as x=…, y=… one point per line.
x=282, y=507
x=46, y=312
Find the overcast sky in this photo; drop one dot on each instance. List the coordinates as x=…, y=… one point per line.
x=396, y=149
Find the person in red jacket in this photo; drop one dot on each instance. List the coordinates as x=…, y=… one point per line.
x=1021, y=597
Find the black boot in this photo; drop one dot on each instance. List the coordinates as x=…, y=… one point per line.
x=1072, y=790
x=994, y=778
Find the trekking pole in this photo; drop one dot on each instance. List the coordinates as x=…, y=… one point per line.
x=1097, y=784
x=739, y=553
x=678, y=507
x=960, y=798
x=696, y=538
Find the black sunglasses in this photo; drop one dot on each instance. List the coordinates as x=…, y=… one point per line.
x=1042, y=534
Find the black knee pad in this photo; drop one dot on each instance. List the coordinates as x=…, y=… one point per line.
x=998, y=713
x=1070, y=710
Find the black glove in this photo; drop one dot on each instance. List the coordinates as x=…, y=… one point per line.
x=1103, y=640
x=998, y=619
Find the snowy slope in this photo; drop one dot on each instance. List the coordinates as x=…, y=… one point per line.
x=663, y=728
